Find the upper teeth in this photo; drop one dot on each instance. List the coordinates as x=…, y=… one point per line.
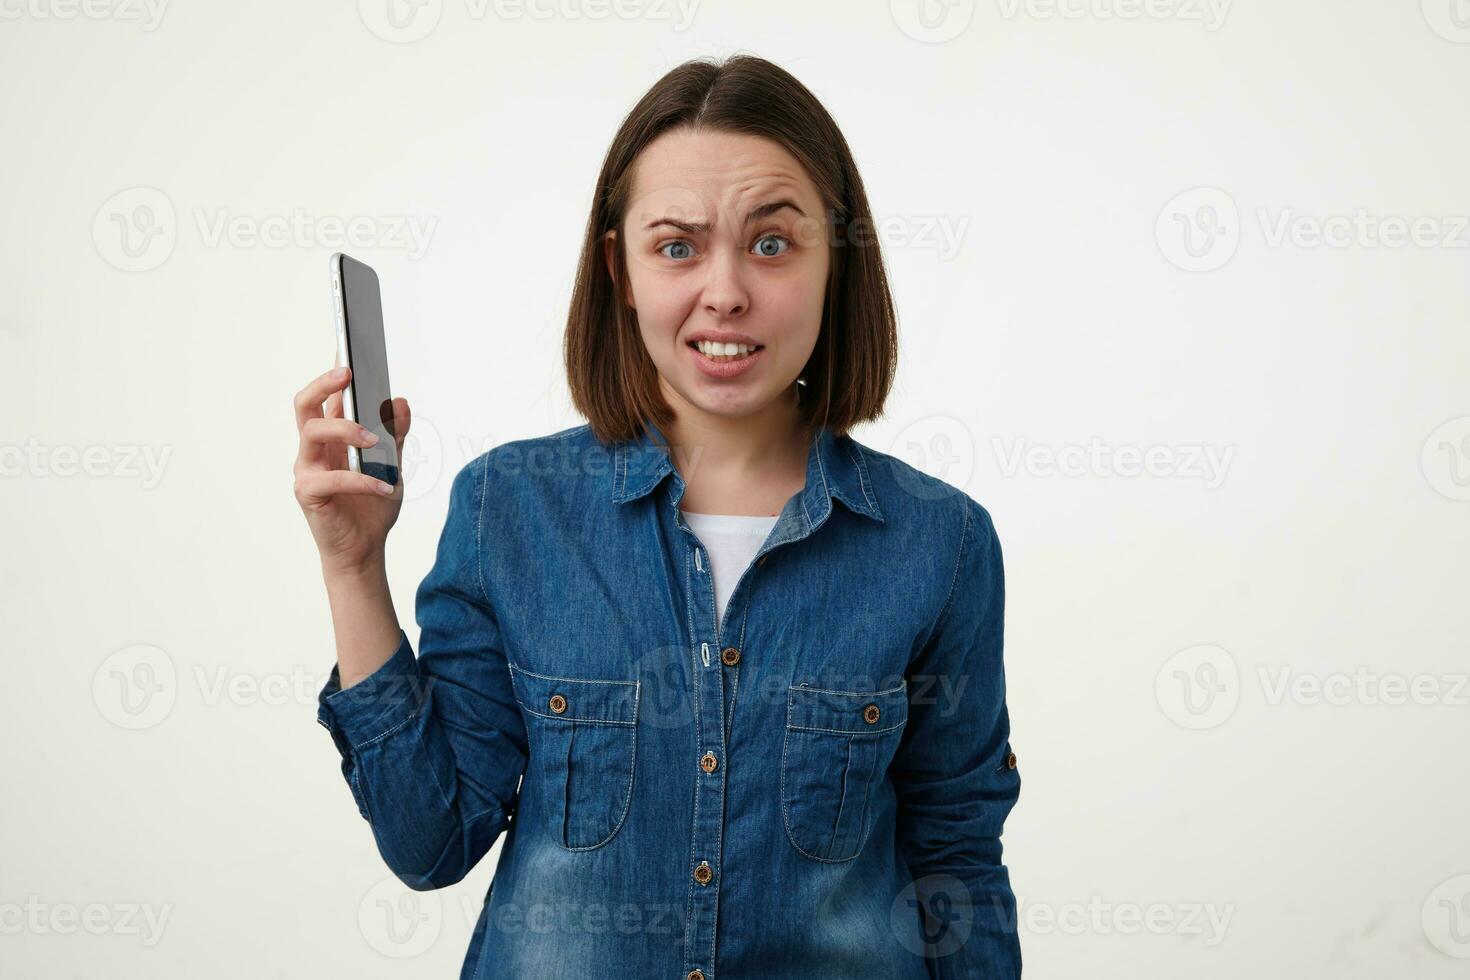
x=714, y=348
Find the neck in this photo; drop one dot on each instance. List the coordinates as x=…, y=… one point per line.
x=748, y=465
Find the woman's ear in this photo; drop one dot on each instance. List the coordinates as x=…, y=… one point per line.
x=609, y=256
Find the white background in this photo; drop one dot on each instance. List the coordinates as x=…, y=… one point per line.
x=1182, y=814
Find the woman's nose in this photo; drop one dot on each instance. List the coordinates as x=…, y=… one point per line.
x=725, y=291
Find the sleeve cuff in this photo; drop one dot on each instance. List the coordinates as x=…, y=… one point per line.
x=375, y=705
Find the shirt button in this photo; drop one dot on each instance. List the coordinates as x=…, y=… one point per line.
x=558, y=704
x=708, y=762
x=1011, y=761
x=694, y=975
x=729, y=656
x=870, y=714
x=703, y=873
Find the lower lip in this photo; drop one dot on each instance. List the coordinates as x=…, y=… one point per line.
x=724, y=369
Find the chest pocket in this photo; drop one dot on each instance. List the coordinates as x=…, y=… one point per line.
x=837, y=749
x=582, y=737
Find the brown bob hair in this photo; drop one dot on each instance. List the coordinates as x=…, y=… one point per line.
x=612, y=379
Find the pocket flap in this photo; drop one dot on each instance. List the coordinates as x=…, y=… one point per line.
x=847, y=712
x=610, y=702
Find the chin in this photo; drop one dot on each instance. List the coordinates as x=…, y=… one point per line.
x=729, y=405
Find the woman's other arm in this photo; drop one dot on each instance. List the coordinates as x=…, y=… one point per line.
x=954, y=773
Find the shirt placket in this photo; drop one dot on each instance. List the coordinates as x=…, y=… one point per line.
x=708, y=700
x=711, y=663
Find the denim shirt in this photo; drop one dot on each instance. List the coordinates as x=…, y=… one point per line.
x=813, y=788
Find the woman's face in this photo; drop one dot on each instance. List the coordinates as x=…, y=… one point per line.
x=726, y=241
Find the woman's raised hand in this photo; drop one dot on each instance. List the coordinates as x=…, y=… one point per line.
x=349, y=513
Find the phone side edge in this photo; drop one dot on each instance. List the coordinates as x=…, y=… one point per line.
x=344, y=355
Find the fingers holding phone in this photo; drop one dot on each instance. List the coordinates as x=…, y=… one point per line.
x=325, y=434
x=349, y=513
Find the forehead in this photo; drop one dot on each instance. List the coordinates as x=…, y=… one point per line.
x=710, y=171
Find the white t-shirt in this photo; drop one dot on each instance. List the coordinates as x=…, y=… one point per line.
x=731, y=541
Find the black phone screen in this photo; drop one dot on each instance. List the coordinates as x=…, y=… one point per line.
x=367, y=355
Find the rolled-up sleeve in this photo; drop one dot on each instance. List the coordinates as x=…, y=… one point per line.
x=433, y=748
x=955, y=774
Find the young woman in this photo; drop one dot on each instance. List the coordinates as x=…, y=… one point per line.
x=729, y=681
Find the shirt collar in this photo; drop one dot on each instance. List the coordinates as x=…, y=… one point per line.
x=835, y=467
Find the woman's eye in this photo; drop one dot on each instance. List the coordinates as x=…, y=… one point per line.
x=767, y=245
x=675, y=245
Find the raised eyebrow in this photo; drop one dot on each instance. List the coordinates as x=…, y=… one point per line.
x=700, y=227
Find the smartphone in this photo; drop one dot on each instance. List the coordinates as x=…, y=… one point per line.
x=367, y=400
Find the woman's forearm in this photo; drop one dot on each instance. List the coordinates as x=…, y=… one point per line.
x=363, y=620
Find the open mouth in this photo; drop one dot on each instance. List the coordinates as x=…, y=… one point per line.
x=716, y=351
